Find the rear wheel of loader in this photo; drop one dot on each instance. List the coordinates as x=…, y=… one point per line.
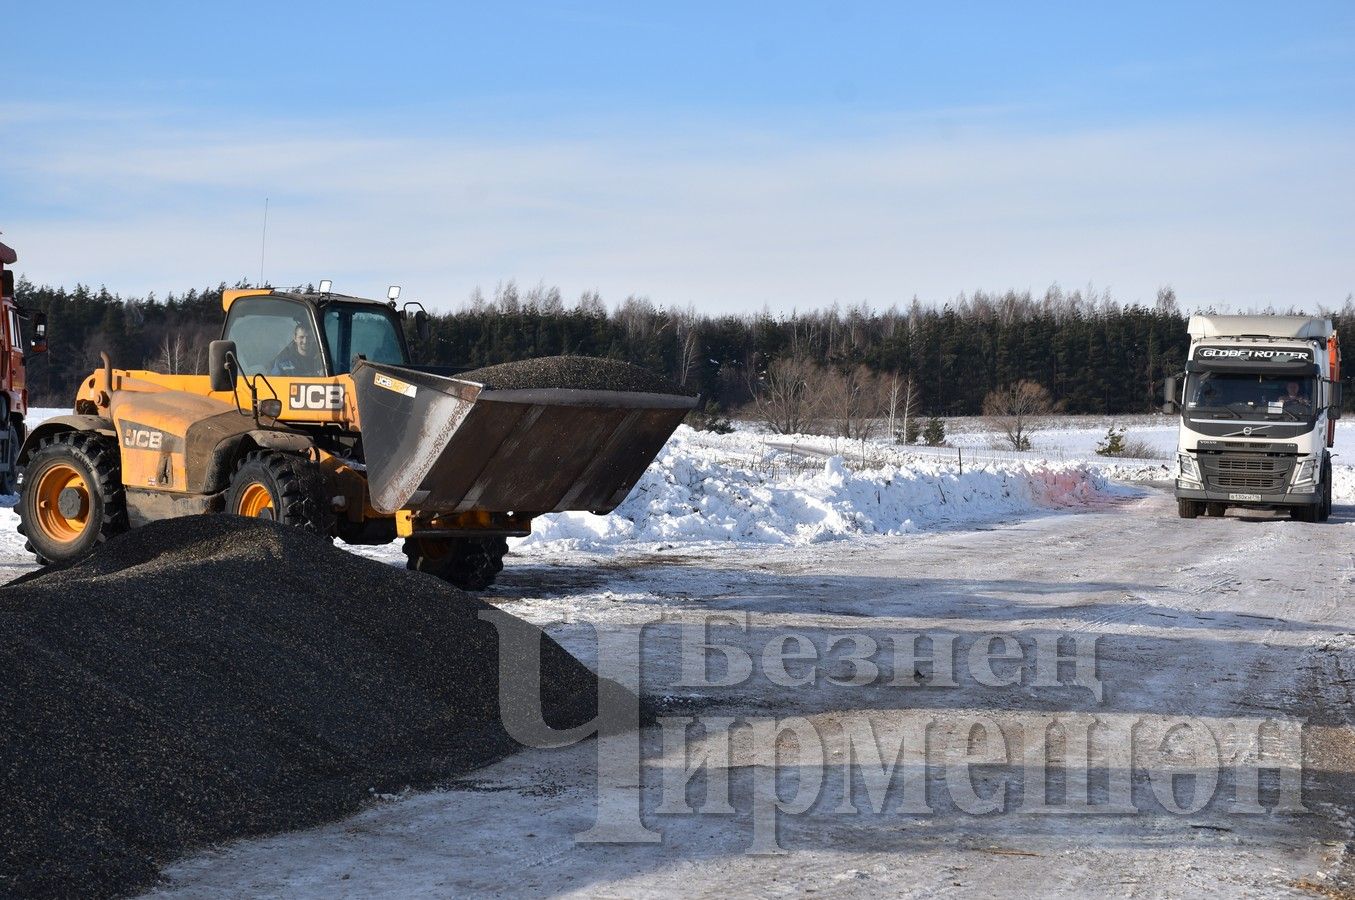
x=71, y=500
x=1188, y=509
x=282, y=488
x=471, y=564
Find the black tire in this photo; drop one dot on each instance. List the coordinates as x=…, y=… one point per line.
x=1324, y=507
x=100, y=505
x=1305, y=513
x=295, y=487
x=1216, y=510
x=9, y=478
x=1188, y=509
x=471, y=564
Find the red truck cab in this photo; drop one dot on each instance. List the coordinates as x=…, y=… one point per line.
x=13, y=375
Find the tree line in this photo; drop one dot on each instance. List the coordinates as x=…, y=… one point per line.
x=1090, y=352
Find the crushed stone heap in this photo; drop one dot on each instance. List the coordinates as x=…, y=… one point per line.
x=211, y=677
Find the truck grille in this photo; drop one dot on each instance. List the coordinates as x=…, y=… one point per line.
x=1247, y=471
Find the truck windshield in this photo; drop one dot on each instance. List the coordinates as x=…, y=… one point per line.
x=354, y=330
x=1245, y=395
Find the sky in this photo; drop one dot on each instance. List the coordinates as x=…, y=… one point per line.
x=727, y=156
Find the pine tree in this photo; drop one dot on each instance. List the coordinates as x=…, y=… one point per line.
x=1113, y=444
x=935, y=432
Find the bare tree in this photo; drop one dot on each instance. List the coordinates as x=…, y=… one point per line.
x=902, y=399
x=849, y=401
x=691, y=356
x=590, y=304
x=181, y=352
x=781, y=397
x=1016, y=411
x=175, y=357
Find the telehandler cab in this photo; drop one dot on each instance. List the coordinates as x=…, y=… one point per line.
x=312, y=415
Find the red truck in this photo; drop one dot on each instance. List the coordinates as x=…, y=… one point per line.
x=13, y=382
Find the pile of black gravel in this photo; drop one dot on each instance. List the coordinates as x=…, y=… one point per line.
x=213, y=677
x=582, y=373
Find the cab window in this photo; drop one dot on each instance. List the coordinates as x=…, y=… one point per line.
x=16, y=334
x=274, y=337
x=370, y=332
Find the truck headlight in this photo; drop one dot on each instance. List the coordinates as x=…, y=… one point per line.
x=1305, y=472
x=1189, y=468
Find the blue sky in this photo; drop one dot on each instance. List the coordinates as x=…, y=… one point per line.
x=728, y=156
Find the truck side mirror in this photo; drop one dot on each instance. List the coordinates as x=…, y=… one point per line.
x=221, y=365
x=1169, y=404
x=38, y=343
x=1334, y=411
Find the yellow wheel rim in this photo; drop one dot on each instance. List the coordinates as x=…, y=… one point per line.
x=63, y=503
x=256, y=502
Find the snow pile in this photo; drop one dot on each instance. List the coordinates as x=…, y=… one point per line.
x=733, y=488
x=1135, y=471
x=1342, y=484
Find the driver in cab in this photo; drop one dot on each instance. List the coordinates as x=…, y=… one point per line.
x=1293, y=398
x=299, y=357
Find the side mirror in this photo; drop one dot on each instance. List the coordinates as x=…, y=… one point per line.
x=221, y=365
x=1334, y=411
x=421, y=326
x=38, y=343
x=1169, y=404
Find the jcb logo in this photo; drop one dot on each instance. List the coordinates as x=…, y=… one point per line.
x=142, y=438
x=315, y=396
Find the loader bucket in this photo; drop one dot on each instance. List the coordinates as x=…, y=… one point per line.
x=447, y=445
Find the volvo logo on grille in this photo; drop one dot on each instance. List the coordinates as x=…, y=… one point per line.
x=1247, y=430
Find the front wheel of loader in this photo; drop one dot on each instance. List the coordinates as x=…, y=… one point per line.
x=71, y=498
x=282, y=488
x=471, y=564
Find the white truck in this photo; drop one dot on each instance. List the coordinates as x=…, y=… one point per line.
x=1258, y=406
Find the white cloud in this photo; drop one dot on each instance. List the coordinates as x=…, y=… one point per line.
x=1230, y=213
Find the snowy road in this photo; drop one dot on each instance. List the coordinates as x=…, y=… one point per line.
x=1221, y=623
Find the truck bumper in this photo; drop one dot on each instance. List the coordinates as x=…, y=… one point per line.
x=1233, y=498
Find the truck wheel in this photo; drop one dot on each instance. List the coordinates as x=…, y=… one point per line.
x=1188, y=509
x=1310, y=513
x=282, y=488
x=71, y=499
x=1324, y=508
x=9, y=478
x=468, y=563
x=1216, y=510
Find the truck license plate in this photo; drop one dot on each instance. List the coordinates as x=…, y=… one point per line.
x=1246, y=498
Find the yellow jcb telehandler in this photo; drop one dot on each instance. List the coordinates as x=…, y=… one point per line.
x=311, y=414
